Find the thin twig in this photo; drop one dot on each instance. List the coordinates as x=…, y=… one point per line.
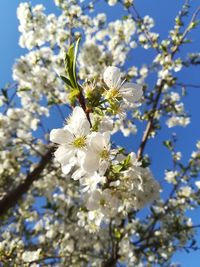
x=187, y=30
x=188, y=85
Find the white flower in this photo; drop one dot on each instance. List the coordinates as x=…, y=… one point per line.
x=97, y=157
x=103, y=200
x=90, y=182
x=185, y=191
x=178, y=121
x=130, y=92
x=198, y=145
x=71, y=139
x=170, y=177
x=197, y=183
x=112, y=2
x=29, y=256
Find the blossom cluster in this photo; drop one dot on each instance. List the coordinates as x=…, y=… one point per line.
x=111, y=181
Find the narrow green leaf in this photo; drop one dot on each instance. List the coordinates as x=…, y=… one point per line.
x=75, y=58
x=67, y=62
x=24, y=89
x=69, y=67
x=66, y=80
x=127, y=160
x=71, y=54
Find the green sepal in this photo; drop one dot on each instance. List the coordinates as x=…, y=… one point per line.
x=117, y=168
x=73, y=95
x=122, y=166
x=168, y=144
x=127, y=161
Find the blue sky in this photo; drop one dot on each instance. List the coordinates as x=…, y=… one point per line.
x=163, y=12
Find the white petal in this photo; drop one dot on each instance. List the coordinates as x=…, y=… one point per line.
x=93, y=200
x=78, y=174
x=90, y=162
x=103, y=166
x=197, y=183
x=99, y=141
x=64, y=154
x=78, y=112
x=79, y=123
x=106, y=138
x=60, y=136
x=82, y=128
x=67, y=168
x=132, y=92
x=112, y=77
x=91, y=205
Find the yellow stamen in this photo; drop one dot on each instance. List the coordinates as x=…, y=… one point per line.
x=112, y=93
x=104, y=154
x=79, y=142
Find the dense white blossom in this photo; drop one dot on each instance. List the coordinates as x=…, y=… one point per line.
x=83, y=208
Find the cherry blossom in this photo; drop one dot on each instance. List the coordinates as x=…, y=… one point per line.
x=130, y=92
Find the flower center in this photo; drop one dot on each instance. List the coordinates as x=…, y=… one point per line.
x=104, y=154
x=79, y=142
x=112, y=93
x=102, y=202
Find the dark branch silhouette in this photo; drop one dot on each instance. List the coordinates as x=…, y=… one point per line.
x=16, y=194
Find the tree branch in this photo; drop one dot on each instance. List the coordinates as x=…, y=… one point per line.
x=187, y=85
x=187, y=30
x=156, y=101
x=150, y=123
x=16, y=194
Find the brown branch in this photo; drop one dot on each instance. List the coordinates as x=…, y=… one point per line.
x=150, y=123
x=16, y=194
x=110, y=262
x=114, y=257
x=81, y=100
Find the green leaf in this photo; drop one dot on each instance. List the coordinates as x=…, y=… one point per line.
x=70, y=64
x=66, y=80
x=127, y=161
x=98, y=111
x=168, y=144
x=69, y=67
x=117, y=234
x=117, y=168
x=67, y=62
x=122, y=165
x=75, y=58
x=24, y=89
